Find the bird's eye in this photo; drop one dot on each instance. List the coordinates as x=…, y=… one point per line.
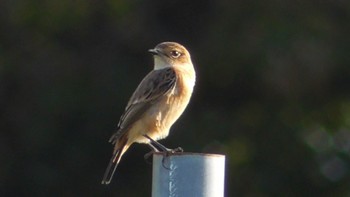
x=175, y=54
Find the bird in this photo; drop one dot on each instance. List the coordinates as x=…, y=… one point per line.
x=158, y=101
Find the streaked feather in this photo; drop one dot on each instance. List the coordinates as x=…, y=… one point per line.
x=155, y=85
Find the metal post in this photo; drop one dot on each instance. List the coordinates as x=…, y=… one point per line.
x=188, y=175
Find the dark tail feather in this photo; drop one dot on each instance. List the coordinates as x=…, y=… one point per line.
x=113, y=163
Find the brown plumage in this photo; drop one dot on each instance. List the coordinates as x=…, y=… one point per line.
x=157, y=102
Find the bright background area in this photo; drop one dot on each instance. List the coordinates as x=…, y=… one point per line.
x=273, y=93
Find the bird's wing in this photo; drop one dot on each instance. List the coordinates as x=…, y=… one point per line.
x=156, y=84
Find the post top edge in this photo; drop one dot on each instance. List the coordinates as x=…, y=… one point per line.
x=191, y=154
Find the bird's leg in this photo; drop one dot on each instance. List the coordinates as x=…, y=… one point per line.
x=153, y=150
x=166, y=151
x=162, y=147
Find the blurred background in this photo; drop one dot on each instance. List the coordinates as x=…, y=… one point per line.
x=272, y=93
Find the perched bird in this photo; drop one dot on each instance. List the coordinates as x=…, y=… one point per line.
x=156, y=104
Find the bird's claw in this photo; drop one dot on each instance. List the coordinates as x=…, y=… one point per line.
x=167, y=153
x=177, y=150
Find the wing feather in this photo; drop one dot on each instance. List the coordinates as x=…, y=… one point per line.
x=156, y=84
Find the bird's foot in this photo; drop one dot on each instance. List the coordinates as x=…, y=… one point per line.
x=159, y=148
x=167, y=153
x=176, y=150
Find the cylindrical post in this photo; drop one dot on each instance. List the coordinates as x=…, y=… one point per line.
x=188, y=175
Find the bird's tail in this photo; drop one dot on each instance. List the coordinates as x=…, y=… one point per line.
x=120, y=149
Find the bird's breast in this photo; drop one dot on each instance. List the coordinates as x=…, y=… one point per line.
x=157, y=121
x=172, y=105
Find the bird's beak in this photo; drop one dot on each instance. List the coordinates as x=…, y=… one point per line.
x=153, y=51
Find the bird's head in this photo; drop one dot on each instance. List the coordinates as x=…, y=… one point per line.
x=169, y=54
